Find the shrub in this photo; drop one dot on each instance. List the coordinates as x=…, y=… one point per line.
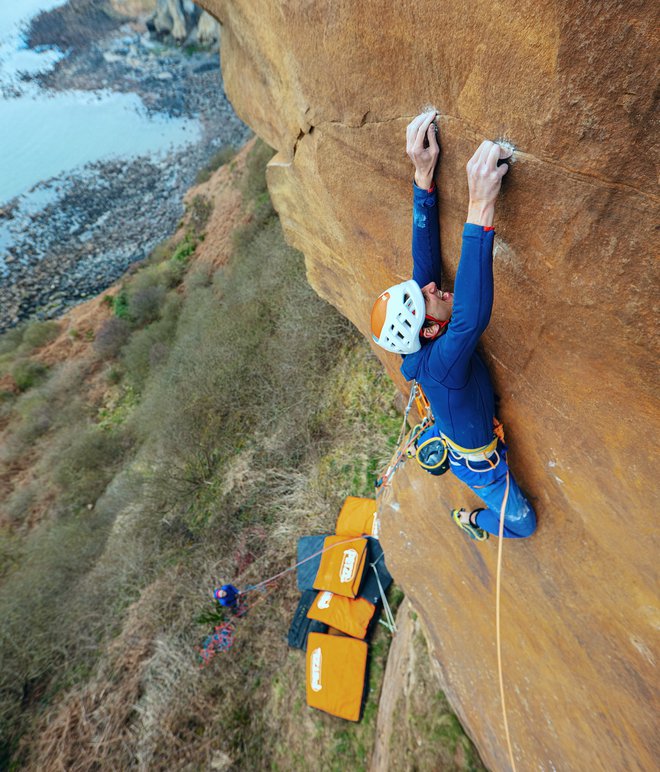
x=254, y=181
x=144, y=304
x=38, y=333
x=200, y=210
x=185, y=248
x=120, y=305
x=37, y=412
x=161, y=252
x=86, y=461
x=55, y=402
x=148, y=348
x=11, y=339
x=221, y=157
x=172, y=272
x=112, y=335
x=19, y=503
x=198, y=277
x=27, y=373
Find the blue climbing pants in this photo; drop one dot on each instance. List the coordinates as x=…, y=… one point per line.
x=489, y=483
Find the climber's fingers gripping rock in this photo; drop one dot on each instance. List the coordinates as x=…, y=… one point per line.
x=422, y=147
x=484, y=175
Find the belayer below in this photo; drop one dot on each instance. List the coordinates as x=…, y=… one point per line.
x=437, y=333
x=227, y=595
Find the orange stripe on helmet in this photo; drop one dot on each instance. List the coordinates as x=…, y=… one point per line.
x=378, y=314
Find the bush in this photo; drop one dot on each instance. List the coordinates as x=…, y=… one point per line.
x=200, y=210
x=37, y=412
x=38, y=333
x=86, y=461
x=254, y=184
x=144, y=304
x=161, y=252
x=110, y=338
x=52, y=404
x=148, y=348
x=27, y=373
x=221, y=157
x=19, y=504
x=198, y=277
x=185, y=248
x=11, y=339
x=120, y=305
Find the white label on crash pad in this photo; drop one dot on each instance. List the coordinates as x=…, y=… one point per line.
x=315, y=670
x=348, y=566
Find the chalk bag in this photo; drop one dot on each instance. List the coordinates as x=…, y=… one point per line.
x=432, y=453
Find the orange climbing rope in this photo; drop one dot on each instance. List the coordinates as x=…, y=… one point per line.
x=497, y=622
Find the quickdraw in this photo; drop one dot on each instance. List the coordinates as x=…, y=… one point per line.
x=406, y=440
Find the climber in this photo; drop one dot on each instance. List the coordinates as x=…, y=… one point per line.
x=437, y=332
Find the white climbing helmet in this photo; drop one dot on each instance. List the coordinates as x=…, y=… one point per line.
x=397, y=317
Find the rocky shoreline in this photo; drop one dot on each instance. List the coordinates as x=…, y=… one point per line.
x=76, y=234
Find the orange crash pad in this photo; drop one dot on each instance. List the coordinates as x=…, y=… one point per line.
x=336, y=668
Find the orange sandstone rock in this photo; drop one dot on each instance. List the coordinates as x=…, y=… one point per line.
x=571, y=345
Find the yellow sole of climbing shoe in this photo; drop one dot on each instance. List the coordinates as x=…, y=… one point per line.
x=473, y=531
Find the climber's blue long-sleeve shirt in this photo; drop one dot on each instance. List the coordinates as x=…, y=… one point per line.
x=450, y=371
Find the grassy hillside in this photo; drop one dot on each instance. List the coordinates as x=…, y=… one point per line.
x=220, y=413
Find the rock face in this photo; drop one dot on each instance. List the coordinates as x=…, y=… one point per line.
x=182, y=20
x=571, y=343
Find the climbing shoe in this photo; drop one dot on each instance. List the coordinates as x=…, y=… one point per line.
x=473, y=531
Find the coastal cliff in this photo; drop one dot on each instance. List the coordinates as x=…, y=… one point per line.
x=570, y=345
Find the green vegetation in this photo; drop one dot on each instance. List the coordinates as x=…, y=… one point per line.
x=16, y=346
x=38, y=333
x=240, y=409
x=220, y=158
x=27, y=373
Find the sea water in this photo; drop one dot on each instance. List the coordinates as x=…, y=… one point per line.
x=44, y=134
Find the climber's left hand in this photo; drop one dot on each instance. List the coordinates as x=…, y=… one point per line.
x=420, y=132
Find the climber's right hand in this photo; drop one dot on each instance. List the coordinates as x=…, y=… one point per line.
x=484, y=181
x=420, y=132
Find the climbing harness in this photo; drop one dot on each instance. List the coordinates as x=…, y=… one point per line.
x=485, y=453
x=431, y=448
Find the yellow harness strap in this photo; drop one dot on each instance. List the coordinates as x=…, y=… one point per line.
x=498, y=431
x=485, y=449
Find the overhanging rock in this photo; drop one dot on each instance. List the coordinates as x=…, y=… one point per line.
x=571, y=344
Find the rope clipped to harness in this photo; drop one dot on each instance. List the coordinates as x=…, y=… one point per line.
x=407, y=439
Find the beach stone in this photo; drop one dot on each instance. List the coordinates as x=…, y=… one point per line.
x=109, y=214
x=572, y=344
